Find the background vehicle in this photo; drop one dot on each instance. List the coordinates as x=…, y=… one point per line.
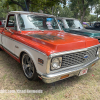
x=73, y=25
x=96, y=26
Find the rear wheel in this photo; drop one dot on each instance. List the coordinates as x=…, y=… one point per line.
x=28, y=67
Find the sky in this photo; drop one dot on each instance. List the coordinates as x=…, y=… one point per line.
x=92, y=11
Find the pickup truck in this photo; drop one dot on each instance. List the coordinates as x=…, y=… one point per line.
x=74, y=26
x=44, y=50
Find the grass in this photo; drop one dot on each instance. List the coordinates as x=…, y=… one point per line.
x=86, y=87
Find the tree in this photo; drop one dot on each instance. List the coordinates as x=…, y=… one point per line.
x=34, y=4
x=80, y=7
x=97, y=10
x=89, y=18
x=62, y=11
x=5, y=10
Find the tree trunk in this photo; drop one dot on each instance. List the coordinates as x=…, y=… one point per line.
x=82, y=17
x=52, y=9
x=22, y=5
x=28, y=4
x=84, y=10
x=76, y=15
x=97, y=17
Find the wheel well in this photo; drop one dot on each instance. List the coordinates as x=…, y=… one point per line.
x=21, y=54
x=35, y=71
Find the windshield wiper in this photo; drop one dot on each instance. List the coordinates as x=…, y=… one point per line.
x=30, y=28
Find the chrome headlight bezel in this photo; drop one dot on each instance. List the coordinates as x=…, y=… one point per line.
x=55, y=63
x=98, y=52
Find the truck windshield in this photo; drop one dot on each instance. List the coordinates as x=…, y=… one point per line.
x=33, y=22
x=74, y=24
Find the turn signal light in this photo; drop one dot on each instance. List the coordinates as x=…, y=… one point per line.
x=65, y=76
x=93, y=64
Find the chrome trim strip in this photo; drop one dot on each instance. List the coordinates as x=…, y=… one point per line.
x=18, y=29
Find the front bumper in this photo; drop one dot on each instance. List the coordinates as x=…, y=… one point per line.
x=50, y=78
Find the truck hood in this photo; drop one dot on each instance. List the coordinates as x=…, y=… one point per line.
x=86, y=32
x=58, y=41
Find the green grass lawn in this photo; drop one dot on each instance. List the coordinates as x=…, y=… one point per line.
x=86, y=87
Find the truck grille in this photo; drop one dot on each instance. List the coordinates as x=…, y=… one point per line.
x=79, y=57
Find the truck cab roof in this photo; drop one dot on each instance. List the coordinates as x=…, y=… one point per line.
x=26, y=12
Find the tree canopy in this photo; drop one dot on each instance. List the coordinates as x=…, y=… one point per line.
x=31, y=4
x=79, y=9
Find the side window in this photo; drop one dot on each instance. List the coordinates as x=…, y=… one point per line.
x=70, y=23
x=61, y=23
x=11, y=22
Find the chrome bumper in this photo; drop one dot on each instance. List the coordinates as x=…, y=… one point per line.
x=50, y=78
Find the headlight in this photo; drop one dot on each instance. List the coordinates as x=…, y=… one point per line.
x=56, y=63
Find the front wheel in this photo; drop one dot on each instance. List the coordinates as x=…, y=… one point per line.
x=28, y=67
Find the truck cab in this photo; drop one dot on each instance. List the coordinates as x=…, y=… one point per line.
x=74, y=26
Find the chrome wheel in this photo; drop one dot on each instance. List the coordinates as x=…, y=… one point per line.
x=28, y=67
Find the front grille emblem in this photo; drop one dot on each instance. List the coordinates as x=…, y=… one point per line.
x=86, y=56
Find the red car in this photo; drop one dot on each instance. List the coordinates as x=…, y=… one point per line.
x=37, y=42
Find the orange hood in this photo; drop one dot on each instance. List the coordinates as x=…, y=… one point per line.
x=58, y=41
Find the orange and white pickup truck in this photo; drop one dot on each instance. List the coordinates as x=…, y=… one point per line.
x=37, y=42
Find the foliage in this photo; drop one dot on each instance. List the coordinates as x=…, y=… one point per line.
x=97, y=10
x=80, y=7
x=90, y=18
x=4, y=10
x=64, y=12
x=77, y=9
x=34, y=4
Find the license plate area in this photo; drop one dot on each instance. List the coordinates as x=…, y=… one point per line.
x=82, y=72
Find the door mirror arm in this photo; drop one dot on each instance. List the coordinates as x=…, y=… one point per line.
x=9, y=30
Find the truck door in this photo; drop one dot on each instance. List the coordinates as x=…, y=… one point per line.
x=7, y=36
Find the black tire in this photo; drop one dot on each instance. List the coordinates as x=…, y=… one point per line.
x=0, y=49
x=28, y=67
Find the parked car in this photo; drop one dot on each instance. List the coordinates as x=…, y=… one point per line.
x=44, y=50
x=74, y=26
x=87, y=24
x=96, y=26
